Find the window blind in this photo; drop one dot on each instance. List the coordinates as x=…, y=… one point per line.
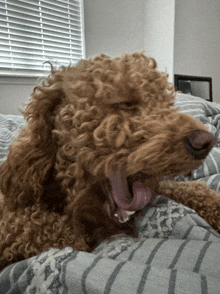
x=33, y=32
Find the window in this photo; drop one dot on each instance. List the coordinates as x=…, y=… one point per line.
x=33, y=32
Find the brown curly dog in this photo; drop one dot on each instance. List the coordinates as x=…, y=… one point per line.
x=99, y=139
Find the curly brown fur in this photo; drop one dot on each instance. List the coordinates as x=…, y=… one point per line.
x=85, y=123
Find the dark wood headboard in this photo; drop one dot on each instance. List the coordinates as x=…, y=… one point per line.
x=194, y=85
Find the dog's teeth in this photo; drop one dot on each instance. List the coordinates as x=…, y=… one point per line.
x=122, y=221
x=130, y=212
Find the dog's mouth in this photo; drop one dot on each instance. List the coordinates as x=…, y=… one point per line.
x=125, y=195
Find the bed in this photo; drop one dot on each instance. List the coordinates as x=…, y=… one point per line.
x=176, y=252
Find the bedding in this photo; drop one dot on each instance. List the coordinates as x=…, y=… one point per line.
x=176, y=252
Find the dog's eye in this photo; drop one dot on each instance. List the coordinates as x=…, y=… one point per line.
x=129, y=105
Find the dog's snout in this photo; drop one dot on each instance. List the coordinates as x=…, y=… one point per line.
x=198, y=143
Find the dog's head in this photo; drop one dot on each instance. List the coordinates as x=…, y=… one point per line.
x=107, y=122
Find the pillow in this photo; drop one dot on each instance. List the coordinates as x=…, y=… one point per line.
x=10, y=126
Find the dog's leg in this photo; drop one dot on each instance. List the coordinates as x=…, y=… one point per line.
x=196, y=195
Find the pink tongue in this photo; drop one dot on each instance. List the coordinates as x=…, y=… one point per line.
x=141, y=195
x=123, y=198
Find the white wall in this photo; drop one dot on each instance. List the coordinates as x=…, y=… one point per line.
x=197, y=40
x=14, y=92
x=114, y=27
x=159, y=33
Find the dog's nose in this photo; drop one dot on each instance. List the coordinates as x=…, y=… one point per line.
x=198, y=143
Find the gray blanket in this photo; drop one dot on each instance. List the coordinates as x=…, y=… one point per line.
x=176, y=252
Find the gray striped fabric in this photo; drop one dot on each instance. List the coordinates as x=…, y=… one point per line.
x=176, y=250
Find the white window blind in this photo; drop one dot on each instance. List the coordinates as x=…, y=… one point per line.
x=33, y=32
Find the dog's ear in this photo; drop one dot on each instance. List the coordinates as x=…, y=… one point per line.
x=31, y=157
